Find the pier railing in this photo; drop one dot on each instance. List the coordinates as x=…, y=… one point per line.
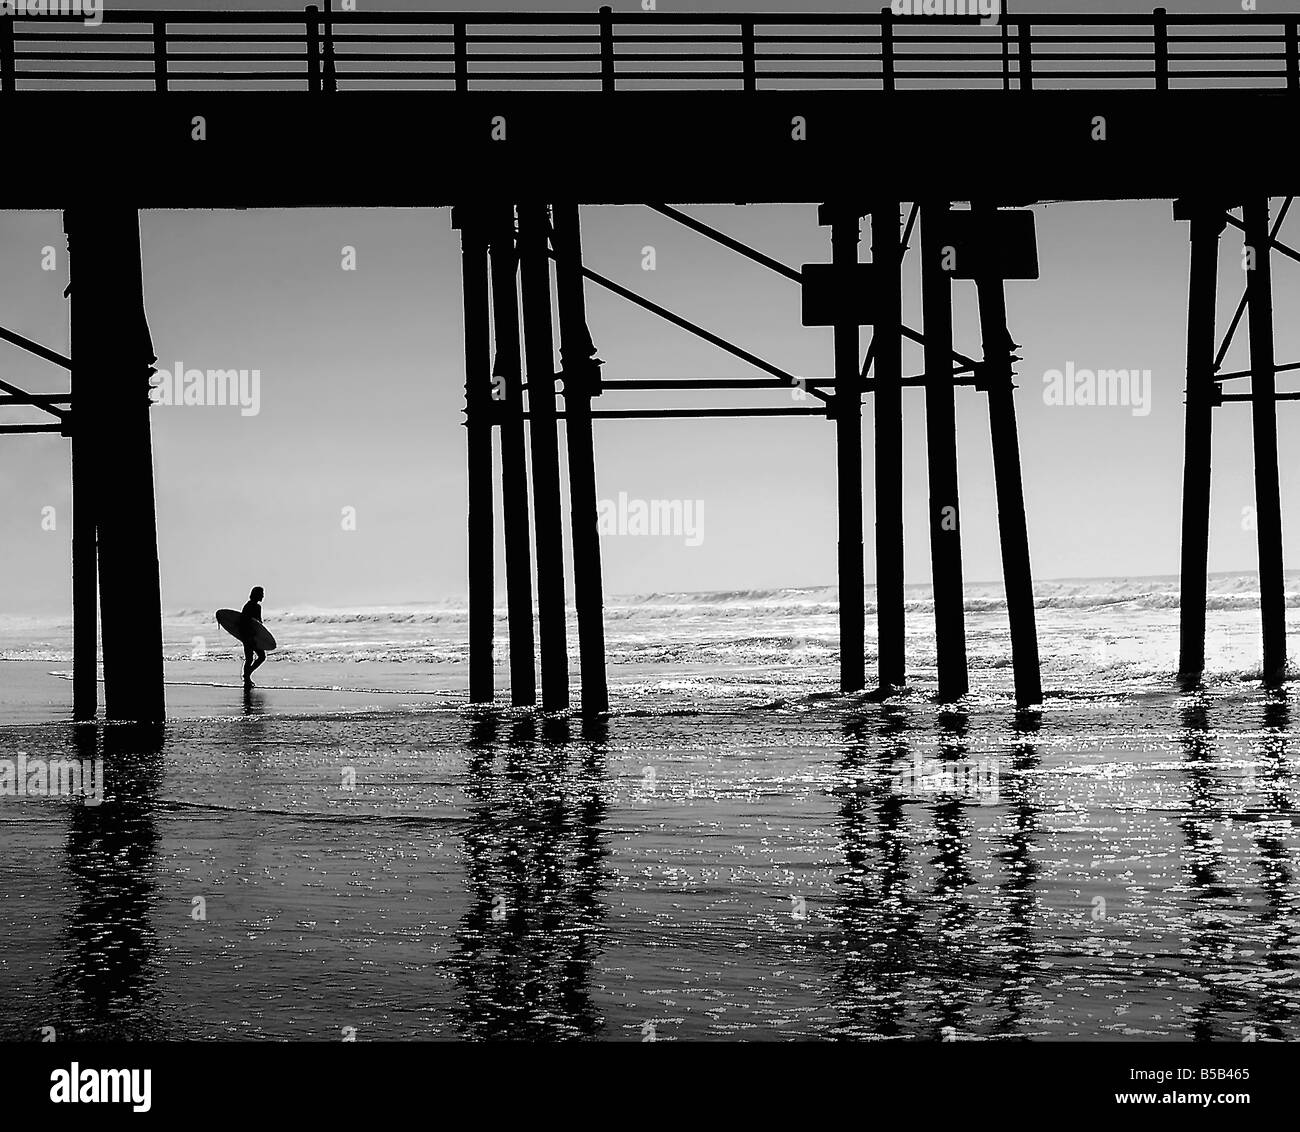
x=318, y=50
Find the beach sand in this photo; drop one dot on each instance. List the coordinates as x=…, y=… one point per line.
x=732, y=853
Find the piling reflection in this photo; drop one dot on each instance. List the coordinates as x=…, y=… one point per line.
x=1018, y=958
x=106, y=977
x=534, y=853
x=923, y=954
x=1210, y=947
x=954, y=981
x=1274, y=813
x=879, y=915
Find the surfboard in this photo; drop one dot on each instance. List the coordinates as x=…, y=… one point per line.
x=229, y=619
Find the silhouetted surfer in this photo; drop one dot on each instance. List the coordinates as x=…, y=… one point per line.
x=251, y=612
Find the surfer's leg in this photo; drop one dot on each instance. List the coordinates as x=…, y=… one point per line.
x=261, y=659
x=248, y=664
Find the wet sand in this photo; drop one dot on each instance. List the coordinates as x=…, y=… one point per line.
x=713, y=861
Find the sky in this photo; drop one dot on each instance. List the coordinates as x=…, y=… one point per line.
x=362, y=393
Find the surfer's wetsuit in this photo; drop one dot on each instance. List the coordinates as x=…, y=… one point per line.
x=252, y=611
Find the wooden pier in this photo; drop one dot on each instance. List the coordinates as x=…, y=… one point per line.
x=530, y=118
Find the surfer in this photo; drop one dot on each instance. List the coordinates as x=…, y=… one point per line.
x=252, y=612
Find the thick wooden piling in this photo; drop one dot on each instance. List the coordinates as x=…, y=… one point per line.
x=478, y=432
x=886, y=258
x=1013, y=530
x=539, y=362
x=1207, y=224
x=85, y=571
x=845, y=223
x=1263, y=405
x=581, y=373
x=113, y=356
x=507, y=390
x=941, y=455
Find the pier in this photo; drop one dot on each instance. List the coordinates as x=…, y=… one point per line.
x=913, y=137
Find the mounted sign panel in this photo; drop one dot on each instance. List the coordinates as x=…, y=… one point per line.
x=827, y=301
x=997, y=245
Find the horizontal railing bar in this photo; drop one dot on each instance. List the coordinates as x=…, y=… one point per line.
x=658, y=18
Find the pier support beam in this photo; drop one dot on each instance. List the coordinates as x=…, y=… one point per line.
x=845, y=224
x=113, y=361
x=539, y=353
x=1207, y=224
x=1263, y=406
x=478, y=431
x=941, y=454
x=85, y=570
x=507, y=391
x=886, y=258
x=581, y=373
x=1013, y=530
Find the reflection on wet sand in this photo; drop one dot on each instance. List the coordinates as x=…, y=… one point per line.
x=1018, y=957
x=106, y=977
x=879, y=917
x=533, y=868
x=1275, y=1008
x=922, y=957
x=1236, y=1000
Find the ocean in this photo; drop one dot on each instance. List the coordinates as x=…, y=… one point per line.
x=737, y=851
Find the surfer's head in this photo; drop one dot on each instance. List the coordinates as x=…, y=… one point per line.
x=257, y=594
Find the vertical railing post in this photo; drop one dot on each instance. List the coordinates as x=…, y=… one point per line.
x=7, y=53
x=329, y=78
x=160, y=54
x=313, y=48
x=607, y=48
x=1293, y=56
x=1162, y=49
x=462, y=55
x=1026, y=56
x=886, y=49
x=748, y=62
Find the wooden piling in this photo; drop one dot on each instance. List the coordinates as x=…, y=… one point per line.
x=113, y=361
x=85, y=571
x=941, y=455
x=581, y=374
x=539, y=361
x=478, y=432
x=1013, y=530
x=886, y=257
x=845, y=234
x=1207, y=224
x=1263, y=406
x=507, y=390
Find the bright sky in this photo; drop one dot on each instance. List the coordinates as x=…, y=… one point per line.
x=362, y=396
